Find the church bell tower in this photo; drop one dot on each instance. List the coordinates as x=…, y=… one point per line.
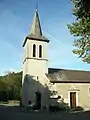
x=35, y=55
x=35, y=50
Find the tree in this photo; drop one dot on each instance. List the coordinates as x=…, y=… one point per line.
x=3, y=91
x=11, y=83
x=81, y=8
x=81, y=29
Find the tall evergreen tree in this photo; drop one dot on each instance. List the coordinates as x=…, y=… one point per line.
x=81, y=29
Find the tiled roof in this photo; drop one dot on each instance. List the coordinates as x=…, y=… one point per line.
x=63, y=75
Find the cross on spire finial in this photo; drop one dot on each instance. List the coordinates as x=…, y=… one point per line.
x=37, y=5
x=36, y=26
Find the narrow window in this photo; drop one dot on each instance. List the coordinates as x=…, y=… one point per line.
x=34, y=50
x=40, y=51
x=89, y=91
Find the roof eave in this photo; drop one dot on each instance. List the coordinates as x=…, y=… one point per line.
x=68, y=81
x=37, y=39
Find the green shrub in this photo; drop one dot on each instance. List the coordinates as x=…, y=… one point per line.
x=60, y=107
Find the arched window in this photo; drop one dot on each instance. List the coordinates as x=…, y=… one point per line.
x=34, y=50
x=40, y=51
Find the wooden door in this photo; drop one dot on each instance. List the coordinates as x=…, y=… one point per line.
x=73, y=99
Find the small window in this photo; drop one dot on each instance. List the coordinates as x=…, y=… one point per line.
x=89, y=91
x=37, y=78
x=40, y=51
x=29, y=102
x=34, y=50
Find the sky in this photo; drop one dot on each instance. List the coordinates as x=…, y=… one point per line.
x=16, y=17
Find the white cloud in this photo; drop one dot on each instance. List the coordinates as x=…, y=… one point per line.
x=61, y=56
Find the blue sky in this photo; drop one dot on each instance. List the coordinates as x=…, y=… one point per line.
x=15, y=20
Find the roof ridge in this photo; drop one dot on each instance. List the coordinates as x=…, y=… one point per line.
x=70, y=70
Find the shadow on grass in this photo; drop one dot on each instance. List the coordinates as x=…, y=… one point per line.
x=16, y=113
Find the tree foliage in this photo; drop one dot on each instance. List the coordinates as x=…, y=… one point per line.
x=81, y=29
x=11, y=84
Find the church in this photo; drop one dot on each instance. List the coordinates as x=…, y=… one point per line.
x=42, y=85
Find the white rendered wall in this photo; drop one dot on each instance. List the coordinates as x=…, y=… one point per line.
x=35, y=68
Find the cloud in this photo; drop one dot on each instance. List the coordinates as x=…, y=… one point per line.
x=61, y=56
x=15, y=18
x=12, y=34
x=12, y=29
x=10, y=57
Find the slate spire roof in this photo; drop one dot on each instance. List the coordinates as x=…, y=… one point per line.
x=36, y=26
x=36, y=31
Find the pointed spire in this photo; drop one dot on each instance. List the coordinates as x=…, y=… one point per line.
x=36, y=31
x=36, y=27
